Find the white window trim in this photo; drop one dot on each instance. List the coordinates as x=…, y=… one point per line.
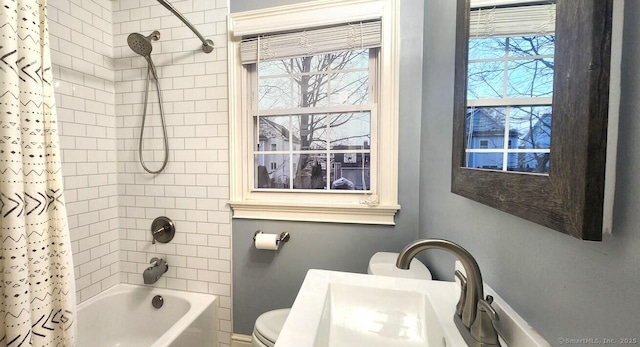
x=378, y=208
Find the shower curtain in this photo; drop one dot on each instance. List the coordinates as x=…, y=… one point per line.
x=37, y=290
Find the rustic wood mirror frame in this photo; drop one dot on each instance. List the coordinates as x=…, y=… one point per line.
x=570, y=198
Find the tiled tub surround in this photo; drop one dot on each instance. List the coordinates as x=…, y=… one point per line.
x=193, y=188
x=81, y=35
x=99, y=84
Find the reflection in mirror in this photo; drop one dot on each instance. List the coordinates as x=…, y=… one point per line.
x=531, y=104
x=510, y=86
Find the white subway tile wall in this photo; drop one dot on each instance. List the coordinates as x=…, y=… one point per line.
x=81, y=39
x=193, y=188
x=111, y=201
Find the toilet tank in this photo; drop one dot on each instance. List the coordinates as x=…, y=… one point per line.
x=384, y=264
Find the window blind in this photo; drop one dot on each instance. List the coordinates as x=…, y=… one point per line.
x=311, y=42
x=513, y=21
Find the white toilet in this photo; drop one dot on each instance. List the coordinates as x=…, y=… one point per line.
x=267, y=327
x=269, y=324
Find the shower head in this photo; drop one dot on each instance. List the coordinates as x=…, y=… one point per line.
x=142, y=44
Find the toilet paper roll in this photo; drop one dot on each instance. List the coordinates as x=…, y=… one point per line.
x=267, y=241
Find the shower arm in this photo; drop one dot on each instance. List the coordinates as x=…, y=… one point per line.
x=207, y=45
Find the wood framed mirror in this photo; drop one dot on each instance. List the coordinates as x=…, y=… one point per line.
x=564, y=188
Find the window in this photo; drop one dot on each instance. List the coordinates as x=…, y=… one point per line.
x=317, y=109
x=306, y=114
x=510, y=88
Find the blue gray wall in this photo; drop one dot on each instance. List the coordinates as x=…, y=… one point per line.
x=563, y=287
x=265, y=280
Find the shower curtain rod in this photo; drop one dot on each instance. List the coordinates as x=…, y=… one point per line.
x=207, y=45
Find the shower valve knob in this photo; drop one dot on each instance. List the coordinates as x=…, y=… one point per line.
x=162, y=230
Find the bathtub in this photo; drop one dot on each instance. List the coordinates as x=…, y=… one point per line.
x=124, y=316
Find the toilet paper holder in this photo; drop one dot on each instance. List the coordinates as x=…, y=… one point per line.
x=284, y=236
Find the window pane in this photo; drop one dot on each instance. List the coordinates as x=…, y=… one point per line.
x=529, y=162
x=532, y=125
x=350, y=88
x=530, y=74
x=275, y=93
x=487, y=48
x=272, y=171
x=277, y=67
x=533, y=45
x=304, y=82
x=274, y=134
x=350, y=171
x=485, y=124
x=530, y=78
x=310, y=171
x=485, y=80
x=312, y=90
x=491, y=161
x=350, y=130
x=311, y=130
x=348, y=60
x=529, y=128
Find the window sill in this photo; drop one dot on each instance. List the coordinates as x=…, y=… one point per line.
x=334, y=213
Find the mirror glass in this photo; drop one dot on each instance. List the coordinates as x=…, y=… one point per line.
x=510, y=71
x=530, y=109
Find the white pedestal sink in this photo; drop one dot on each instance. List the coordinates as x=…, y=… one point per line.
x=340, y=309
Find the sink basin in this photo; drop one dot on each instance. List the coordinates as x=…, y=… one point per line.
x=341, y=309
x=377, y=317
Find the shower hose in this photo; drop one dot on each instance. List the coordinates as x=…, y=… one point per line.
x=144, y=117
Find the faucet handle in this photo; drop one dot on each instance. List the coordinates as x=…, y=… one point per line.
x=485, y=306
x=483, y=329
x=463, y=292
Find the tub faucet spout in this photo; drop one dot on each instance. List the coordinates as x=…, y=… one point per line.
x=153, y=273
x=474, y=315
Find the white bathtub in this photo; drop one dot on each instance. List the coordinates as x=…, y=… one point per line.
x=123, y=316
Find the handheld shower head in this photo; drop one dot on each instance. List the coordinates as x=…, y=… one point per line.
x=141, y=45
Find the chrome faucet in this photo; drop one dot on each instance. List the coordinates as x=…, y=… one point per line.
x=474, y=315
x=153, y=273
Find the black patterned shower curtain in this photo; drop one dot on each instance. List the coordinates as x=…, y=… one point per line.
x=37, y=290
